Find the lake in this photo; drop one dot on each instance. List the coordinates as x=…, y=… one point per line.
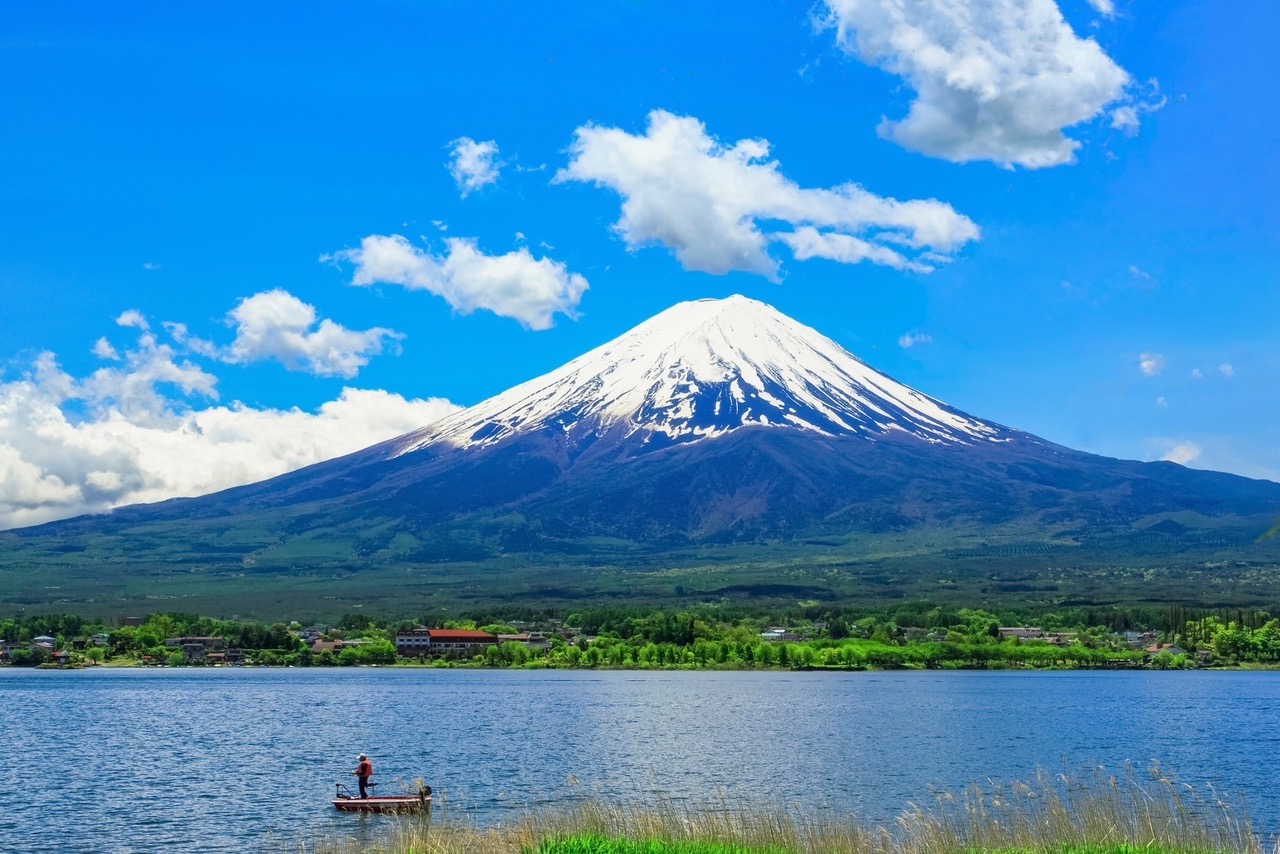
x=116, y=760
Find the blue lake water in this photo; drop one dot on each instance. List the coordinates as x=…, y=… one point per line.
x=246, y=759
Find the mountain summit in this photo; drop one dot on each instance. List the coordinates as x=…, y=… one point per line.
x=700, y=370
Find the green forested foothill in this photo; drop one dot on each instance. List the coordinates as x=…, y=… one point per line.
x=719, y=636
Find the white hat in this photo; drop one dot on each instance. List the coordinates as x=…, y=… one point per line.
x=362, y=756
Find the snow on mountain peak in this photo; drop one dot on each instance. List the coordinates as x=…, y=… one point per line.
x=701, y=369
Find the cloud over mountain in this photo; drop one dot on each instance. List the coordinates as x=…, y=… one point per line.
x=516, y=285
x=719, y=207
x=277, y=325
x=145, y=428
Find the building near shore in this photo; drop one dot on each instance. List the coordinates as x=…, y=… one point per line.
x=435, y=643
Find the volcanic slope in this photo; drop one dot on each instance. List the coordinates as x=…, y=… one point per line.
x=715, y=423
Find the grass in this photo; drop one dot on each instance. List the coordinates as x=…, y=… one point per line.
x=603, y=845
x=1095, y=813
x=600, y=845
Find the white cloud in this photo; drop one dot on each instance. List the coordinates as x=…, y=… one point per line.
x=807, y=242
x=1125, y=119
x=150, y=265
x=473, y=165
x=103, y=350
x=996, y=80
x=132, y=388
x=1105, y=8
x=1227, y=370
x=1151, y=364
x=277, y=325
x=1197, y=374
x=1162, y=403
x=70, y=446
x=514, y=285
x=1182, y=453
x=1138, y=273
x=711, y=204
x=132, y=318
x=912, y=339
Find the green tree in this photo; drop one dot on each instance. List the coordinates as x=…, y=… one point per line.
x=356, y=623
x=516, y=653
x=1232, y=643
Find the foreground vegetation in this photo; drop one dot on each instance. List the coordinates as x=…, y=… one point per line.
x=712, y=636
x=1098, y=813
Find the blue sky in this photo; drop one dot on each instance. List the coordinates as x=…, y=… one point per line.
x=236, y=240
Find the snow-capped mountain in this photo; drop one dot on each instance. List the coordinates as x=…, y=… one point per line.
x=700, y=370
x=714, y=422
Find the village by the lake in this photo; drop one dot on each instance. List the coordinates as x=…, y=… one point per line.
x=632, y=638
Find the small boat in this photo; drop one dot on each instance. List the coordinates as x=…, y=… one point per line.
x=344, y=801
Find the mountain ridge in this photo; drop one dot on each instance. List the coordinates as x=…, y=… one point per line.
x=714, y=425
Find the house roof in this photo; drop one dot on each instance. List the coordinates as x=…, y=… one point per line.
x=1170, y=648
x=460, y=635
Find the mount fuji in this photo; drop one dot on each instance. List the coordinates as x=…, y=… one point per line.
x=714, y=424
x=701, y=370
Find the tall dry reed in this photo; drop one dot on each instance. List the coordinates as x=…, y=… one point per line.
x=1098, y=810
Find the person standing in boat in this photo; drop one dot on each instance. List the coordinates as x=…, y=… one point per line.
x=362, y=773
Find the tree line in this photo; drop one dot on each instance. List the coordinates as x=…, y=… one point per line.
x=713, y=635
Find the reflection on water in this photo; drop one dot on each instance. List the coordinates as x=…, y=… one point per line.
x=221, y=760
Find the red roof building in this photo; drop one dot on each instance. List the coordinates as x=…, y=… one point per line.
x=438, y=642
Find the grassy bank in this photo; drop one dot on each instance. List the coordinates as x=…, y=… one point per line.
x=1097, y=813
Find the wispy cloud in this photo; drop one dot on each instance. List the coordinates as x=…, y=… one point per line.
x=1151, y=364
x=1182, y=453
x=103, y=350
x=473, y=164
x=1138, y=273
x=516, y=285
x=1227, y=370
x=1127, y=118
x=999, y=80
x=913, y=339
x=719, y=207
